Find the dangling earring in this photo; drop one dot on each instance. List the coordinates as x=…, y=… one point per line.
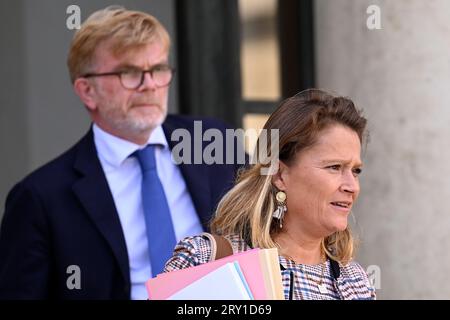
x=281, y=207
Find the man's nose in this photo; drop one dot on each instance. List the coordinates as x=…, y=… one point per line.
x=147, y=83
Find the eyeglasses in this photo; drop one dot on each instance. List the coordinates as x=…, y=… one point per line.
x=133, y=78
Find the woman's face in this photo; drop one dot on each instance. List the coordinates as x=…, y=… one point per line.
x=322, y=183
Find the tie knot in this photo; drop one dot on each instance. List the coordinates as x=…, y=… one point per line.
x=146, y=157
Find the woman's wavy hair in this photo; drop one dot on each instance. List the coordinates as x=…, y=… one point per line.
x=247, y=208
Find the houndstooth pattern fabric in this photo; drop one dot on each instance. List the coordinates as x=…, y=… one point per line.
x=352, y=284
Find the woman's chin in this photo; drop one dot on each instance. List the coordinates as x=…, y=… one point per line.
x=339, y=226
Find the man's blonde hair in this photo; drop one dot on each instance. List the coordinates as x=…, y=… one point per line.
x=126, y=29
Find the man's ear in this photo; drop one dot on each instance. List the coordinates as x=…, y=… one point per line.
x=85, y=90
x=279, y=179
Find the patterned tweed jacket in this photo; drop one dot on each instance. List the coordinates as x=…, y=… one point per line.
x=300, y=282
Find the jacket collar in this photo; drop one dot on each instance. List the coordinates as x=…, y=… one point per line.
x=95, y=196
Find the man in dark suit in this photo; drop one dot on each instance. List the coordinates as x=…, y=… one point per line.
x=79, y=227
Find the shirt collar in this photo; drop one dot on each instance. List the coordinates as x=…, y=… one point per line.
x=115, y=150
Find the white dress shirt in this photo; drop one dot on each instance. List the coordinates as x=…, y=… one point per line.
x=124, y=179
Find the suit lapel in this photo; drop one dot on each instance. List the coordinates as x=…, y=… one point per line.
x=94, y=194
x=195, y=176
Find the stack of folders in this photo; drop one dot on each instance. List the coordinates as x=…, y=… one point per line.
x=249, y=275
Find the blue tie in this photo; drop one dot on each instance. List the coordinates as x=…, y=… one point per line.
x=160, y=234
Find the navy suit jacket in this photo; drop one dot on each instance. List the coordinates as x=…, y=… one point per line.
x=63, y=214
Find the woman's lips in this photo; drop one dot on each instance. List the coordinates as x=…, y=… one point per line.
x=344, y=206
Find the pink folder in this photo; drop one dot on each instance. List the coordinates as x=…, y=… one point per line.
x=166, y=284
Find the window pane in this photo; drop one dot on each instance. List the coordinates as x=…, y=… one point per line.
x=253, y=121
x=260, y=66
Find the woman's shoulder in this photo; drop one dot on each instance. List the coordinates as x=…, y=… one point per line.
x=195, y=250
x=355, y=275
x=189, y=252
x=353, y=270
x=237, y=243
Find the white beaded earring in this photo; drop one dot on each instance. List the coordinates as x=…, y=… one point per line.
x=281, y=207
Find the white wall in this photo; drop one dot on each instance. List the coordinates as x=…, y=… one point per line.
x=400, y=76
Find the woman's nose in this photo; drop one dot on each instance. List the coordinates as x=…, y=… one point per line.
x=350, y=183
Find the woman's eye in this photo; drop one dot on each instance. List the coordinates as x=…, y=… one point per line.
x=336, y=167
